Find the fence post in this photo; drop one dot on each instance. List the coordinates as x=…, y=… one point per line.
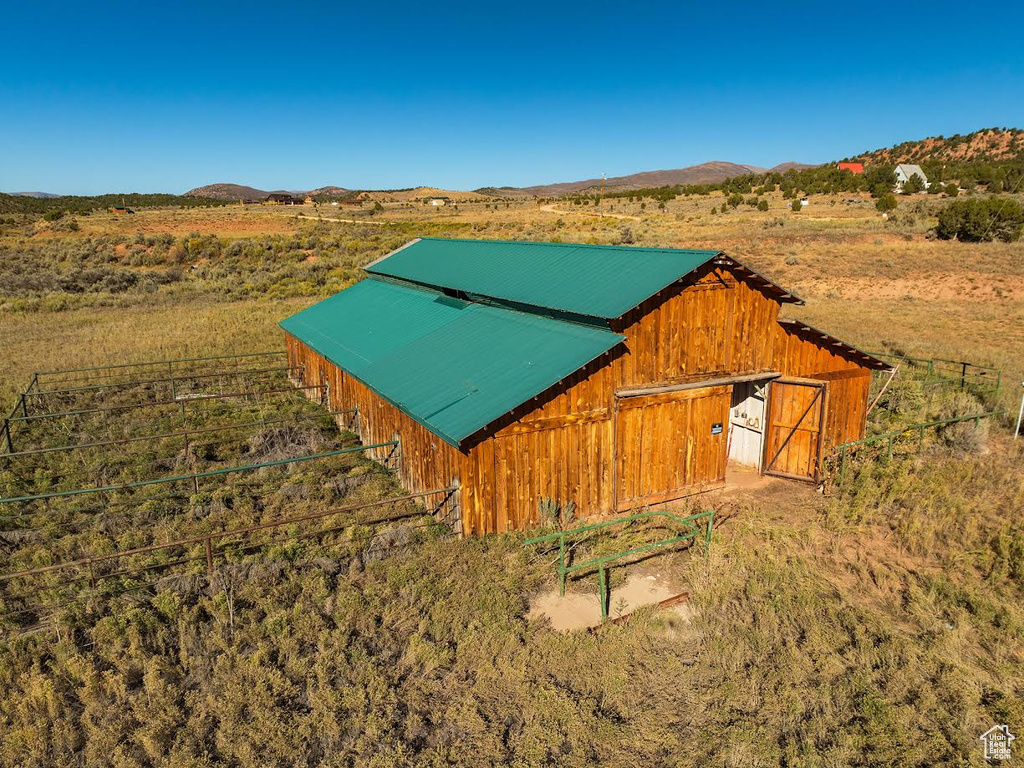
x=707, y=533
x=602, y=592
x=209, y=557
x=842, y=466
x=561, y=566
x=963, y=375
x=22, y=405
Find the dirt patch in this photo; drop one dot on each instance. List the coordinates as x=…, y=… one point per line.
x=581, y=610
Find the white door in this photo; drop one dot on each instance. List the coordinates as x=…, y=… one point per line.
x=746, y=423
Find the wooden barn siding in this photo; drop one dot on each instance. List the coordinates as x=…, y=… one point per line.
x=714, y=326
x=427, y=461
x=847, y=388
x=719, y=325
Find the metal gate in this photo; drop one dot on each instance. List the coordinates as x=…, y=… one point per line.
x=796, y=418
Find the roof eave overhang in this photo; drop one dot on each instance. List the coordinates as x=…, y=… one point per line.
x=861, y=357
x=456, y=442
x=783, y=295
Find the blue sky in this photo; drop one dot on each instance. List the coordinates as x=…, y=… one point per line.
x=112, y=96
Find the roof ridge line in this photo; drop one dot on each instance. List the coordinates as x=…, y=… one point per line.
x=608, y=246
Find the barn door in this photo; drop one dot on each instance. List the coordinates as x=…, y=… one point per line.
x=669, y=445
x=793, y=437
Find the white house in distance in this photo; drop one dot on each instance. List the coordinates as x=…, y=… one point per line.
x=439, y=201
x=905, y=171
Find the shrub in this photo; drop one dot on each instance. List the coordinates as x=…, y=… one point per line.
x=913, y=185
x=762, y=205
x=886, y=202
x=903, y=396
x=963, y=437
x=796, y=205
x=976, y=221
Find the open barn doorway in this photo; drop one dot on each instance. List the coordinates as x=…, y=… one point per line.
x=747, y=424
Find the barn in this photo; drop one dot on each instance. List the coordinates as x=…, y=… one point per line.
x=611, y=377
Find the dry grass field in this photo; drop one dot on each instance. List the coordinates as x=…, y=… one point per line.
x=880, y=626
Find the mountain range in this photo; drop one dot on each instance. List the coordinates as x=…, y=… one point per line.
x=986, y=145
x=705, y=173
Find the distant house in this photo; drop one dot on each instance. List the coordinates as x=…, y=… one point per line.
x=309, y=200
x=905, y=171
x=281, y=198
x=855, y=168
x=439, y=201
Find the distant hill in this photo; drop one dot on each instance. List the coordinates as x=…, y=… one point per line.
x=242, y=192
x=986, y=145
x=705, y=173
x=228, y=192
x=790, y=166
x=40, y=195
x=328, y=192
x=421, y=193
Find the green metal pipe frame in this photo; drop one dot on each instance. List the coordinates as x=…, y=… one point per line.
x=890, y=437
x=165, y=435
x=198, y=475
x=207, y=537
x=122, y=366
x=177, y=400
x=690, y=522
x=180, y=378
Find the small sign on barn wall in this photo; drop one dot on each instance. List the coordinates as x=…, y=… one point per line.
x=716, y=428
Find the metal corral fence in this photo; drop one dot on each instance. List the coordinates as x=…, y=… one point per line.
x=60, y=386
x=937, y=371
x=889, y=438
x=48, y=380
x=700, y=524
x=112, y=391
x=208, y=547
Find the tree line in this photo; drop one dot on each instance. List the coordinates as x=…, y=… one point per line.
x=85, y=204
x=878, y=180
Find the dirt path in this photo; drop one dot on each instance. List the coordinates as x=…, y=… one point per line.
x=550, y=208
x=348, y=221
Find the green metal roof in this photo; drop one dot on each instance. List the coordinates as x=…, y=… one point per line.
x=600, y=281
x=451, y=365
